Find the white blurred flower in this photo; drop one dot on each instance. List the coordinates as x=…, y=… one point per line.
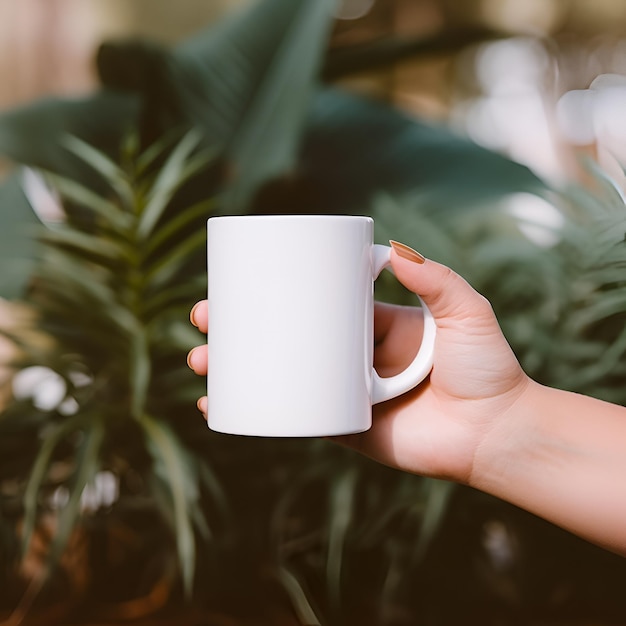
x=596, y=115
x=43, y=386
x=103, y=492
x=48, y=390
x=537, y=219
x=42, y=198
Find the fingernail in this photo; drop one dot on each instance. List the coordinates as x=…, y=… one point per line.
x=201, y=404
x=193, y=313
x=189, y=356
x=407, y=253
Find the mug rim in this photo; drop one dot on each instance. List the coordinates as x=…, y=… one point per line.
x=291, y=217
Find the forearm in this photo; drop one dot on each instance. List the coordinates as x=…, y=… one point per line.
x=561, y=456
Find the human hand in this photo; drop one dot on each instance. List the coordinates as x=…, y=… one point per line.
x=437, y=428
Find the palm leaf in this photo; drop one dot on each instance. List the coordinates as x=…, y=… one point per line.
x=102, y=164
x=170, y=464
x=34, y=135
x=170, y=264
x=340, y=515
x=169, y=179
x=83, y=246
x=140, y=370
x=105, y=209
x=299, y=600
x=93, y=287
x=38, y=476
x=273, y=52
x=18, y=249
x=355, y=148
x=87, y=464
x=178, y=223
x=168, y=297
x=435, y=507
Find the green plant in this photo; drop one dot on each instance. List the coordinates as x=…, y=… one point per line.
x=284, y=140
x=326, y=525
x=111, y=295
x=356, y=543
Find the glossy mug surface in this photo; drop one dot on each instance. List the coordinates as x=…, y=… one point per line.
x=291, y=330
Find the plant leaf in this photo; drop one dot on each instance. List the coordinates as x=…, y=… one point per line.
x=88, y=199
x=84, y=288
x=166, y=297
x=87, y=465
x=247, y=82
x=18, y=246
x=298, y=597
x=438, y=494
x=82, y=245
x=341, y=511
x=355, y=148
x=169, y=458
x=103, y=165
x=140, y=370
x=34, y=134
x=169, y=264
x=38, y=475
x=177, y=223
x=169, y=179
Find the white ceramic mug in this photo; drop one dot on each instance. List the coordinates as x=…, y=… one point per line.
x=291, y=304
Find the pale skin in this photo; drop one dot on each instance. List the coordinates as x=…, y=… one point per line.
x=479, y=420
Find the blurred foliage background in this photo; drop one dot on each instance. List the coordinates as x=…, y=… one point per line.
x=124, y=125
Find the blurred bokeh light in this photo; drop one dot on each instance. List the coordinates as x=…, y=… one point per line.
x=529, y=93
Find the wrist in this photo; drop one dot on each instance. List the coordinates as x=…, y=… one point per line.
x=509, y=443
x=560, y=455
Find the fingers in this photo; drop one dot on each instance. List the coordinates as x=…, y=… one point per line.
x=197, y=360
x=202, y=405
x=397, y=335
x=384, y=315
x=199, y=316
x=443, y=290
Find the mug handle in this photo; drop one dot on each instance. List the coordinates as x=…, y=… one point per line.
x=387, y=388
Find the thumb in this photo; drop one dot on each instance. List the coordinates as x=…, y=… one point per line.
x=442, y=289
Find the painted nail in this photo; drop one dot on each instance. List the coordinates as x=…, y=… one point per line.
x=189, y=356
x=192, y=314
x=407, y=253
